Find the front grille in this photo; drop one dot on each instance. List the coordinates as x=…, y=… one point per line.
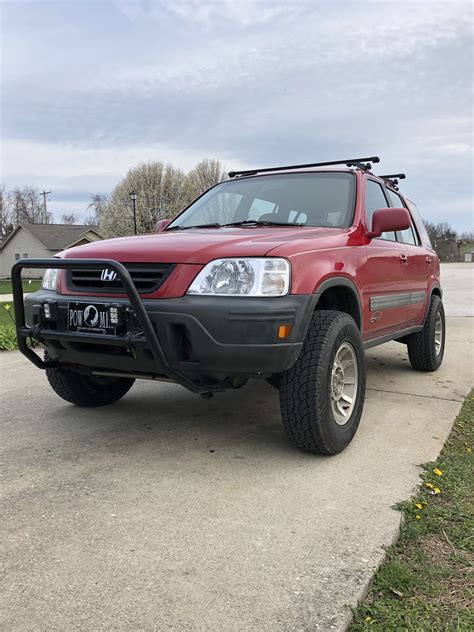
x=146, y=277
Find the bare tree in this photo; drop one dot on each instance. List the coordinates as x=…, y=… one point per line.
x=160, y=191
x=69, y=218
x=205, y=174
x=97, y=204
x=467, y=235
x=20, y=205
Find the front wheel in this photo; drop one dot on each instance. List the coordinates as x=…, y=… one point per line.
x=322, y=395
x=426, y=348
x=87, y=390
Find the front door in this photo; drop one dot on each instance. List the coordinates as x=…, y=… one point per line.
x=387, y=292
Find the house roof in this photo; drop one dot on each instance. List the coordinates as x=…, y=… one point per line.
x=55, y=236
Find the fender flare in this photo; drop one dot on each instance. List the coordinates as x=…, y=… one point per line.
x=434, y=286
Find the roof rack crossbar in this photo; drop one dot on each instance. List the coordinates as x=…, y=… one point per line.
x=400, y=176
x=356, y=162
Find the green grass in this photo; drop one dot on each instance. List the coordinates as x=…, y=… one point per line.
x=28, y=286
x=7, y=330
x=6, y=316
x=426, y=582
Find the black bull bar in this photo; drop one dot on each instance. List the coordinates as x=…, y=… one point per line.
x=150, y=340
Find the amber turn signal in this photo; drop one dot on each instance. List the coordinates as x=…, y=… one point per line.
x=284, y=331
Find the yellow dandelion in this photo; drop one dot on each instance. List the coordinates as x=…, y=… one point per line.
x=429, y=485
x=367, y=619
x=438, y=472
x=418, y=505
x=417, y=517
x=436, y=490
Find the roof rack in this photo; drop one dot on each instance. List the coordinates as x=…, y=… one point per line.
x=360, y=163
x=393, y=179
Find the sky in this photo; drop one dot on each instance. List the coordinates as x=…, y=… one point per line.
x=91, y=88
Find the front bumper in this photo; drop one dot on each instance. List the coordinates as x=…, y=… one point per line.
x=203, y=337
x=204, y=343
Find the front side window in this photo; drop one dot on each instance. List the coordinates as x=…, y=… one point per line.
x=303, y=199
x=375, y=199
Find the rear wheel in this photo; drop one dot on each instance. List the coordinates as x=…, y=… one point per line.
x=322, y=395
x=426, y=348
x=86, y=390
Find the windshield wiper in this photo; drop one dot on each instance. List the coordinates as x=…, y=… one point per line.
x=256, y=222
x=213, y=225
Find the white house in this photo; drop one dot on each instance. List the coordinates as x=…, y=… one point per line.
x=30, y=241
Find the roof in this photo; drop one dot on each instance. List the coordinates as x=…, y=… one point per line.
x=55, y=236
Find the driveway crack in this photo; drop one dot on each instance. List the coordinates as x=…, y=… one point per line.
x=445, y=399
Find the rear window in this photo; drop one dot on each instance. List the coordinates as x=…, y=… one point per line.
x=309, y=199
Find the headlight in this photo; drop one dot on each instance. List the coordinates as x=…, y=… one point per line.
x=50, y=279
x=243, y=277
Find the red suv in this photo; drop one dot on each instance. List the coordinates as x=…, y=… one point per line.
x=284, y=274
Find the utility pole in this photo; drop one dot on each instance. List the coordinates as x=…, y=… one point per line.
x=45, y=210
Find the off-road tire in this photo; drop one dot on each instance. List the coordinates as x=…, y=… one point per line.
x=305, y=399
x=421, y=346
x=85, y=390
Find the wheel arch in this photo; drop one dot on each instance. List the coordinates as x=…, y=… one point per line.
x=340, y=293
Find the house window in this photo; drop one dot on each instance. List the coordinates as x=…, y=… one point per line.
x=25, y=255
x=17, y=256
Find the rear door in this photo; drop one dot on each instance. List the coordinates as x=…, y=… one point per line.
x=387, y=292
x=419, y=264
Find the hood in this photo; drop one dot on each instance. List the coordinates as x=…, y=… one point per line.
x=198, y=246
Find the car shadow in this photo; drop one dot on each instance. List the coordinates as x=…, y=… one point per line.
x=239, y=421
x=156, y=414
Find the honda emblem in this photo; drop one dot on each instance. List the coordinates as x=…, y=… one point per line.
x=108, y=275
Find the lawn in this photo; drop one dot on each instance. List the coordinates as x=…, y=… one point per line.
x=426, y=582
x=28, y=286
x=5, y=315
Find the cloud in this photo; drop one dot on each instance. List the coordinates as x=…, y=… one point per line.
x=253, y=83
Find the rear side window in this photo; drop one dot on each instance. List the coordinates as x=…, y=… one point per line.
x=418, y=221
x=374, y=199
x=394, y=198
x=408, y=236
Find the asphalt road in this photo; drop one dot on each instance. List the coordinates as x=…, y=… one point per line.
x=169, y=512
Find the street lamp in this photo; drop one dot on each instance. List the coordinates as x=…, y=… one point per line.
x=133, y=197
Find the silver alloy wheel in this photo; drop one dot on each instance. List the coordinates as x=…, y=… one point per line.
x=344, y=383
x=438, y=334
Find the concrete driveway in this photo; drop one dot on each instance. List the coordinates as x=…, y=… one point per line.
x=169, y=512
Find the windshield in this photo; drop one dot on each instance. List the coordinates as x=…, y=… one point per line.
x=299, y=199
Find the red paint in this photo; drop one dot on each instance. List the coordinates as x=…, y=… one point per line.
x=315, y=254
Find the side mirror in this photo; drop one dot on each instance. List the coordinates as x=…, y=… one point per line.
x=386, y=220
x=161, y=225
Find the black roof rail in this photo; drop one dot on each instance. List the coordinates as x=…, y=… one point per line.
x=351, y=162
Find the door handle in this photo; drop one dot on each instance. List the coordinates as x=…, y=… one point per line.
x=428, y=260
x=403, y=258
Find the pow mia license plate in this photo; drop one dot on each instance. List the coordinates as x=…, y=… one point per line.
x=91, y=317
